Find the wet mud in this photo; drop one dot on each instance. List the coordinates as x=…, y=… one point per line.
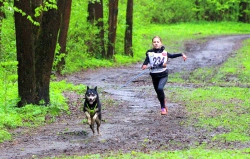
x=131, y=114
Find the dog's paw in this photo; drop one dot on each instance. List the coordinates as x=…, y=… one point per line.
x=97, y=134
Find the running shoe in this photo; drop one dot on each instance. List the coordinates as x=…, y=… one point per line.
x=163, y=111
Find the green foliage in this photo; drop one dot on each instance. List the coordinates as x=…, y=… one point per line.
x=8, y=41
x=44, y=7
x=31, y=115
x=4, y=135
x=223, y=10
x=77, y=35
x=166, y=12
x=50, y=4
x=8, y=79
x=176, y=11
x=29, y=17
x=64, y=86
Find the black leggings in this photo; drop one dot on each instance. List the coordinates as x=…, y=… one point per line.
x=159, y=84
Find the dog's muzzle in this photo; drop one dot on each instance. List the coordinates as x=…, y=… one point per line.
x=91, y=99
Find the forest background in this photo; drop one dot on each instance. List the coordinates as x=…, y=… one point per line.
x=176, y=21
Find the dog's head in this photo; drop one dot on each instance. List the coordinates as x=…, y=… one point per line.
x=91, y=95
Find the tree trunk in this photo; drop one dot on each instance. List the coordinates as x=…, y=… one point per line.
x=113, y=12
x=95, y=17
x=129, y=28
x=243, y=14
x=35, y=52
x=100, y=25
x=44, y=53
x=25, y=40
x=64, y=27
x=91, y=11
x=197, y=13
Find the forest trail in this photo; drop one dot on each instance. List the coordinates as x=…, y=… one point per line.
x=133, y=122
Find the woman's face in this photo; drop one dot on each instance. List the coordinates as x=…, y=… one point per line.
x=156, y=43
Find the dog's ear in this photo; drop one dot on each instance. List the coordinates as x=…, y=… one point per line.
x=95, y=88
x=87, y=87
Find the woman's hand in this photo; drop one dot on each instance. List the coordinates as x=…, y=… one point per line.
x=184, y=56
x=144, y=67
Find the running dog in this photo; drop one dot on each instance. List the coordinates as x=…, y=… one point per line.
x=92, y=108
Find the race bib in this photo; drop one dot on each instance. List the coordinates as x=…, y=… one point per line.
x=156, y=61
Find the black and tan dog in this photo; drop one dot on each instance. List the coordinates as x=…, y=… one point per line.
x=92, y=108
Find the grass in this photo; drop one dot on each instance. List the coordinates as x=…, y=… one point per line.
x=218, y=107
x=199, y=153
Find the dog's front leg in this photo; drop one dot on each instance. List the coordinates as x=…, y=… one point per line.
x=88, y=117
x=96, y=114
x=90, y=122
x=92, y=126
x=98, y=122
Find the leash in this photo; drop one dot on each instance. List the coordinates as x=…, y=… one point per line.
x=142, y=73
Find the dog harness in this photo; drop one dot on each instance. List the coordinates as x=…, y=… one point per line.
x=91, y=111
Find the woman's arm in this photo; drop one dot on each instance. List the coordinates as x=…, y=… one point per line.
x=177, y=55
x=145, y=63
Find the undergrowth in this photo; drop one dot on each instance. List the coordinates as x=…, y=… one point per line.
x=32, y=115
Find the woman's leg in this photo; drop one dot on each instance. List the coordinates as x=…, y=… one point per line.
x=156, y=83
x=159, y=84
x=160, y=91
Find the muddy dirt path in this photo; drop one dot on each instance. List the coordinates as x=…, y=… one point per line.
x=131, y=114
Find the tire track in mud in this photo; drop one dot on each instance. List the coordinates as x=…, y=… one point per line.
x=133, y=122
